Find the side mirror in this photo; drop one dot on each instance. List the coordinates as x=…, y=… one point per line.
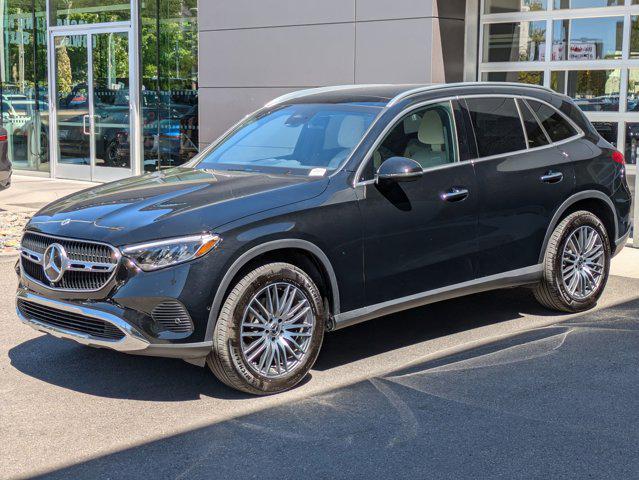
x=399, y=169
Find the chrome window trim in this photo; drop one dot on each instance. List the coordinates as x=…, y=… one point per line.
x=115, y=251
x=407, y=110
x=580, y=132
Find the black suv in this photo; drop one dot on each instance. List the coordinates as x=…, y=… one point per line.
x=326, y=208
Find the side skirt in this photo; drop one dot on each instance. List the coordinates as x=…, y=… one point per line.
x=513, y=278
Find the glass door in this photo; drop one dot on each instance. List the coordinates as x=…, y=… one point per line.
x=93, y=105
x=72, y=110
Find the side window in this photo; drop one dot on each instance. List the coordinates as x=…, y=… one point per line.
x=535, y=134
x=557, y=127
x=497, y=125
x=426, y=135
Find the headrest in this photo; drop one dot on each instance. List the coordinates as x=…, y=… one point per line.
x=431, y=130
x=412, y=123
x=351, y=131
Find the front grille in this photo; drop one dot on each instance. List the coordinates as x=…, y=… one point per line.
x=69, y=321
x=172, y=316
x=91, y=264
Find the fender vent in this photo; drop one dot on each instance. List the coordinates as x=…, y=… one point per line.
x=172, y=316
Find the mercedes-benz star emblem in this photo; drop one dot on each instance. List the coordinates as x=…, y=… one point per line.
x=55, y=262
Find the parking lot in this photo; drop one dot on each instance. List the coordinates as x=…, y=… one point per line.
x=487, y=386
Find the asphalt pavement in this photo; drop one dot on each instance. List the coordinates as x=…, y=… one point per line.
x=488, y=386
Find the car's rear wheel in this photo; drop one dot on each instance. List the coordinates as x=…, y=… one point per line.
x=576, y=264
x=269, y=331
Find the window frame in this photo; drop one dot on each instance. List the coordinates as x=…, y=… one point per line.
x=522, y=103
x=580, y=133
x=368, y=157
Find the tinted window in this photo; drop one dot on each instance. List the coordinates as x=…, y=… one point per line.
x=465, y=137
x=497, y=125
x=534, y=132
x=554, y=123
x=426, y=136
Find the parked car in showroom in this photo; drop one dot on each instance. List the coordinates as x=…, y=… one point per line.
x=324, y=209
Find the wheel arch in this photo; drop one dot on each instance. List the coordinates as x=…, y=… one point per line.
x=593, y=201
x=276, y=250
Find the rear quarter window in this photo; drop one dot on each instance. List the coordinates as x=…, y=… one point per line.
x=497, y=125
x=556, y=126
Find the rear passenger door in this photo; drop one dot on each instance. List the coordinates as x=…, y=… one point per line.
x=522, y=178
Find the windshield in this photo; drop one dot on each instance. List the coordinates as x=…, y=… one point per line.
x=294, y=139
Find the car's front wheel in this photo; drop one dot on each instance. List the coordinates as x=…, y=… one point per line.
x=269, y=331
x=576, y=264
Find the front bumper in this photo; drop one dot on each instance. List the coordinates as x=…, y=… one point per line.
x=132, y=341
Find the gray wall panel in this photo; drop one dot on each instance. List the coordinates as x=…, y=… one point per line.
x=226, y=14
x=278, y=57
x=394, y=51
x=398, y=9
x=248, y=54
x=220, y=108
x=395, y=9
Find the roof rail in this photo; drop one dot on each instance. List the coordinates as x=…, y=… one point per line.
x=313, y=91
x=425, y=88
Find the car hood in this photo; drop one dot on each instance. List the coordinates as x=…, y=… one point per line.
x=180, y=201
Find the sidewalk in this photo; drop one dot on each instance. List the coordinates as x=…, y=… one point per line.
x=25, y=196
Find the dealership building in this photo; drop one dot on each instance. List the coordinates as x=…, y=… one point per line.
x=104, y=89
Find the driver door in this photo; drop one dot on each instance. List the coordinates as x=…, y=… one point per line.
x=420, y=235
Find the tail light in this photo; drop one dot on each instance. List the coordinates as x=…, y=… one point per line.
x=617, y=157
x=3, y=138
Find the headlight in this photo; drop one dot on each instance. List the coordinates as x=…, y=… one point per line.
x=163, y=253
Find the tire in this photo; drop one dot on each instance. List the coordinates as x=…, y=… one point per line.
x=554, y=291
x=231, y=357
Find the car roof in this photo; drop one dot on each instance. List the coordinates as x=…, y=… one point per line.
x=385, y=94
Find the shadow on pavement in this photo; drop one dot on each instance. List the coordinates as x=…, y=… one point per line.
x=556, y=402
x=114, y=375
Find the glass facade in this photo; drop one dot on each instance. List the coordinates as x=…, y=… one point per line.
x=587, y=49
x=79, y=12
x=24, y=84
x=169, y=50
x=94, y=122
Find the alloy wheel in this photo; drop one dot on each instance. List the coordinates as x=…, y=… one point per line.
x=582, y=263
x=276, y=331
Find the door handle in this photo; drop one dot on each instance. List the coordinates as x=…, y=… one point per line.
x=552, y=177
x=84, y=124
x=455, y=194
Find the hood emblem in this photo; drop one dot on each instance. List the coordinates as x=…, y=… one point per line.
x=55, y=262
x=65, y=222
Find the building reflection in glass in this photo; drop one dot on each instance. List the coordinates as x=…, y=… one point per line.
x=169, y=82
x=23, y=82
